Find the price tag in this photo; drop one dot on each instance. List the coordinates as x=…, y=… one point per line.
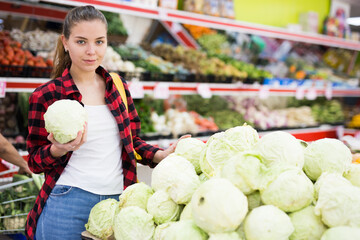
x=264, y=92
x=204, y=90
x=300, y=93
x=161, y=91
x=2, y=89
x=311, y=94
x=328, y=92
x=136, y=89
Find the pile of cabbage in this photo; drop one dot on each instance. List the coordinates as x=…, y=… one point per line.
x=240, y=186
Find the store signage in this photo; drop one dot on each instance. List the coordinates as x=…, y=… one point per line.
x=204, y=90
x=161, y=90
x=2, y=88
x=136, y=89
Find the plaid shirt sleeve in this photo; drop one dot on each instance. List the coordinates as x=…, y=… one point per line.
x=146, y=151
x=40, y=159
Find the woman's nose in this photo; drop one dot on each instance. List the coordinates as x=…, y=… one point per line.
x=90, y=49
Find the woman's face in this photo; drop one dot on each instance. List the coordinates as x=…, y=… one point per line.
x=86, y=45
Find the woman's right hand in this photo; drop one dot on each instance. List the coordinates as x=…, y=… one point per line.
x=58, y=149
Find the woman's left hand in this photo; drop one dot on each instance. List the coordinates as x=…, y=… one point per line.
x=161, y=154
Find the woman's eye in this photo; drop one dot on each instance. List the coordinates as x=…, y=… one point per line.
x=99, y=42
x=80, y=41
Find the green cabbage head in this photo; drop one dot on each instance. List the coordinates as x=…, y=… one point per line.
x=268, y=222
x=177, y=176
x=291, y=190
x=243, y=138
x=221, y=146
x=101, y=218
x=191, y=149
x=160, y=230
x=184, y=230
x=163, y=208
x=307, y=225
x=133, y=223
x=326, y=155
x=280, y=148
x=353, y=175
x=328, y=179
x=136, y=195
x=218, y=206
x=218, y=151
x=245, y=171
x=341, y=233
x=339, y=205
x=65, y=118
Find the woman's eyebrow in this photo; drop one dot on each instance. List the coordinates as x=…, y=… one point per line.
x=80, y=37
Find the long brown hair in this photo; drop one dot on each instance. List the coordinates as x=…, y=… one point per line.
x=74, y=16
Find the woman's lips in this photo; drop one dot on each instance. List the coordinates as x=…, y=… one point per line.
x=89, y=61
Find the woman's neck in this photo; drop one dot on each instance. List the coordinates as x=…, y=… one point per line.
x=83, y=77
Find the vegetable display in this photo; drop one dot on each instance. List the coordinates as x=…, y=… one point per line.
x=16, y=200
x=247, y=192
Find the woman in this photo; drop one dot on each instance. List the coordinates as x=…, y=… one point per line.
x=100, y=162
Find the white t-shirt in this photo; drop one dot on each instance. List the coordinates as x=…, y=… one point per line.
x=96, y=166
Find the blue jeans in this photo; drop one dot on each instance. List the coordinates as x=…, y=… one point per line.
x=66, y=212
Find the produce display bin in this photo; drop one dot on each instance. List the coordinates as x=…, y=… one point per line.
x=25, y=71
x=12, y=71
x=17, y=197
x=38, y=72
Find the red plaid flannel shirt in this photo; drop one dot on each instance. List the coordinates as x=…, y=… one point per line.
x=40, y=159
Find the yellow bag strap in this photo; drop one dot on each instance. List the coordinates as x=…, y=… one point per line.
x=120, y=87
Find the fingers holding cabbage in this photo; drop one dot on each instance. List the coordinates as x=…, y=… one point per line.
x=66, y=123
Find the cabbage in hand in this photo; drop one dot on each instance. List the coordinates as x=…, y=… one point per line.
x=65, y=118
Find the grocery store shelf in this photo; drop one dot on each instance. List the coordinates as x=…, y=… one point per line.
x=29, y=84
x=22, y=84
x=38, y=11
x=311, y=134
x=212, y=22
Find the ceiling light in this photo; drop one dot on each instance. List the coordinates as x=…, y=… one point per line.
x=353, y=21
